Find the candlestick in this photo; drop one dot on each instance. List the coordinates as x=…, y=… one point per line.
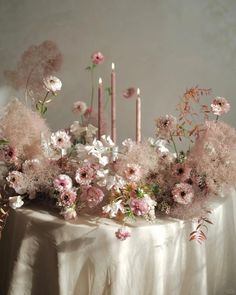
x=113, y=103
x=100, y=106
x=138, y=117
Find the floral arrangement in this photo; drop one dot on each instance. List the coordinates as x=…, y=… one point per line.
x=76, y=172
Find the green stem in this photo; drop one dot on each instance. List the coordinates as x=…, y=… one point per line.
x=217, y=118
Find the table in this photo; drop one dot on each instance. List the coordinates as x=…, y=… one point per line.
x=42, y=254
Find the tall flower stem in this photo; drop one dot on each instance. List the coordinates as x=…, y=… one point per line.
x=92, y=83
x=217, y=118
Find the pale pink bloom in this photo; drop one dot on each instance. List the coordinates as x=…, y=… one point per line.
x=69, y=214
x=97, y=58
x=139, y=206
x=85, y=174
x=181, y=171
x=15, y=202
x=67, y=198
x=62, y=183
x=17, y=181
x=52, y=84
x=133, y=172
x=8, y=154
x=80, y=107
x=92, y=195
x=166, y=125
x=30, y=165
x=220, y=106
x=60, y=140
x=122, y=234
x=183, y=193
x=129, y=92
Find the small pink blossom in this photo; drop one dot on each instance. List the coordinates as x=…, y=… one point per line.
x=62, y=183
x=97, y=58
x=80, y=107
x=220, y=106
x=8, y=154
x=92, y=195
x=129, y=92
x=166, y=125
x=17, y=181
x=139, y=206
x=60, y=140
x=181, y=171
x=85, y=174
x=122, y=234
x=67, y=198
x=133, y=172
x=69, y=214
x=183, y=193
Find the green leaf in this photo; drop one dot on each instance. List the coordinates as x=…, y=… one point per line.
x=88, y=68
x=155, y=189
x=140, y=192
x=3, y=142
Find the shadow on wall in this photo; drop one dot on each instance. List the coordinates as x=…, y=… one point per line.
x=5, y=94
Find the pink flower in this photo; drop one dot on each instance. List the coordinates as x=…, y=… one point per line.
x=60, y=140
x=139, y=206
x=69, y=214
x=80, y=107
x=182, y=171
x=17, y=181
x=92, y=195
x=220, y=106
x=183, y=193
x=62, y=183
x=129, y=92
x=67, y=198
x=97, y=58
x=166, y=125
x=133, y=172
x=122, y=234
x=85, y=174
x=8, y=154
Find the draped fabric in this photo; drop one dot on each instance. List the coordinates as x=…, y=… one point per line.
x=41, y=254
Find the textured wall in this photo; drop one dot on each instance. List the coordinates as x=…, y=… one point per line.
x=162, y=46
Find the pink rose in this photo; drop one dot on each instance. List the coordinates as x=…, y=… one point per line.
x=97, y=58
x=92, y=195
x=139, y=206
x=122, y=234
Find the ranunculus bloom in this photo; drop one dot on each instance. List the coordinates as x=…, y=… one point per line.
x=129, y=92
x=166, y=125
x=122, y=234
x=52, y=84
x=139, y=206
x=220, y=106
x=60, y=140
x=79, y=107
x=85, y=174
x=17, y=181
x=97, y=58
x=181, y=171
x=62, y=183
x=15, y=202
x=133, y=172
x=92, y=195
x=183, y=193
x=67, y=198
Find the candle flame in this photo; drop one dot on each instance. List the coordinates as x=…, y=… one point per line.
x=113, y=66
x=138, y=91
x=100, y=81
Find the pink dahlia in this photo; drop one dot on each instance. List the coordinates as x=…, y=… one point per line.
x=183, y=193
x=92, y=195
x=62, y=183
x=122, y=234
x=166, y=125
x=97, y=58
x=133, y=172
x=67, y=198
x=85, y=174
x=129, y=92
x=220, y=106
x=181, y=171
x=139, y=206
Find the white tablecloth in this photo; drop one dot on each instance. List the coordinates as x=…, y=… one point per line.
x=44, y=255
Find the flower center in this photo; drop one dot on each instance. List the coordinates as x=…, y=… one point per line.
x=182, y=194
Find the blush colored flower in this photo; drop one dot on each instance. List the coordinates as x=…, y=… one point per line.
x=80, y=107
x=15, y=202
x=133, y=172
x=17, y=181
x=92, y=195
x=62, y=183
x=183, y=193
x=139, y=206
x=166, y=125
x=97, y=58
x=85, y=174
x=60, y=140
x=129, y=92
x=52, y=84
x=122, y=234
x=69, y=214
x=220, y=106
x=181, y=171
x=67, y=198
x=8, y=154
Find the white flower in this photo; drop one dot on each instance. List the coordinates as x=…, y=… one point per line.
x=15, y=202
x=107, y=141
x=60, y=140
x=112, y=182
x=113, y=208
x=76, y=129
x=52, y=84
x=69, y=214
x=79, y=107
x=159, y=143
x=91, y=130
x=17, y=181
x=128, y=144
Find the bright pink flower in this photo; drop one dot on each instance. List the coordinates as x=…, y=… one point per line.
x=166, y=125
x=220, y=106
x=122, y=234
x=181, y=171
x=85, y=174
x=62, y=183
x=129, y=92
x=133, y=172
x=92, y=195
x=97, y=58
x=139, y=206
x=67, y=198
x=183, y=193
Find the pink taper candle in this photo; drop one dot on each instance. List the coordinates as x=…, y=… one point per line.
x=138, y=117
x=100, y=106
x=113, y=103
